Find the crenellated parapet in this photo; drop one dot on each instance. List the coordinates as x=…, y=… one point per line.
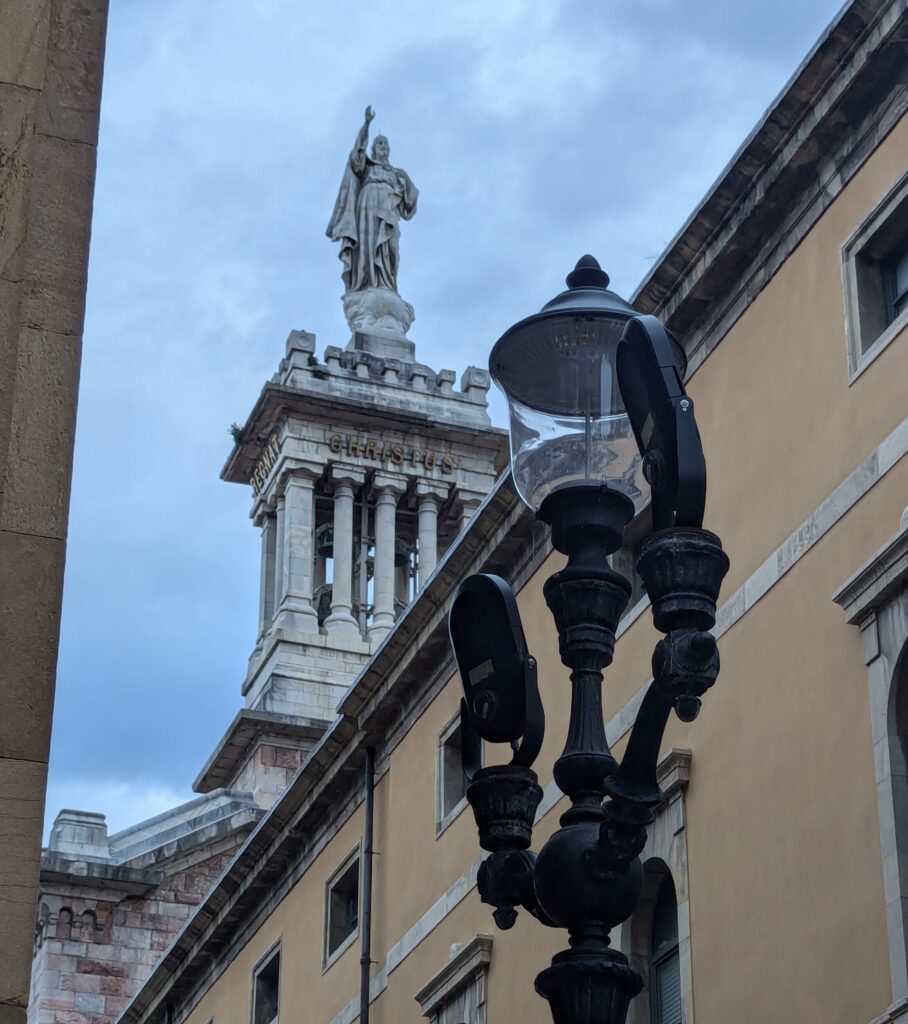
x=376, y=370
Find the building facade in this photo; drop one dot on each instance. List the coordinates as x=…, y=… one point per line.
x=775, y=868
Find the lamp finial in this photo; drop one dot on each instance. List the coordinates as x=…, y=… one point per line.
x=587, y=274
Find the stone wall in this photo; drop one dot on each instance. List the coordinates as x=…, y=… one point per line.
x=51, y=57
x=268, y=771
x=109, y=907
x=94, y=951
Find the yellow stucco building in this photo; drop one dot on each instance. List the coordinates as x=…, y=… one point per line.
x=777, y=866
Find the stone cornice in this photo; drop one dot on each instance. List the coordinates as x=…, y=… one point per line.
x=91, y=874
x=835, y=110
x=472, y=956
x=673, y=771
x=875, y=582
x=246, y=729
x=277, y=401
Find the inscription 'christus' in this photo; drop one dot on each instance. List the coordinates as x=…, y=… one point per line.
x=376, y=450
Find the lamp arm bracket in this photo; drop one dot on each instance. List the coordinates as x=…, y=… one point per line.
x=685, y=666
x=505, y=881
x=534, y=728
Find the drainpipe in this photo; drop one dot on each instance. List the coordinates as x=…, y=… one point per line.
x=365, y=959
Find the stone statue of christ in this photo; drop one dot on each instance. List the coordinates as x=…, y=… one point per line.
x=372, y=200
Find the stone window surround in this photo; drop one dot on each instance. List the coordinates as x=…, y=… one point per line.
x=666, y=846
x=442, y=820
x=469, y=965
x=875, y=599
x=860, y=356
x=274, y=950
x=329, y=959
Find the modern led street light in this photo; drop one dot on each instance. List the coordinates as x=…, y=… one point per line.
x=599, y=423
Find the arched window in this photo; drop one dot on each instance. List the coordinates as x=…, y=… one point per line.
x=875, y=599
x=89, y=925
x=64, y=923
x=664, y=962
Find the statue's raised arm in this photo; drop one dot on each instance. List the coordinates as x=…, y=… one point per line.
x=372, y=200
x=363, y=137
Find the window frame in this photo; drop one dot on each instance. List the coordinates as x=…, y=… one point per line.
x=890, y=283
x=265, y=961
x=331, y=957
x=665, y=854
x=672, y=952
x=442, y=819
x=465, y=973
x=864, y=266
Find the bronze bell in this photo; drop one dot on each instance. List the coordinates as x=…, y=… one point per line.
x=401, y=553
x=324, y=537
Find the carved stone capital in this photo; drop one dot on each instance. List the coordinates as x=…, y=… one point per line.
x=389, y=483
x=433, y=489
x=342, y=473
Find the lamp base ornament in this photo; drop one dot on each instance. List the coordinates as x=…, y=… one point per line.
x=592, y=988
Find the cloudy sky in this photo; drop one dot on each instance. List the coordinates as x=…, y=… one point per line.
x=535, y=130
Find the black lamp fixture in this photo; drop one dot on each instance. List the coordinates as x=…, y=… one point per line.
x=599, y=423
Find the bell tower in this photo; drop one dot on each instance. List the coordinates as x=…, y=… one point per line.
x=363, y=466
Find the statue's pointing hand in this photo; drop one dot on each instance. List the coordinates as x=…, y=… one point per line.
x=370, y=114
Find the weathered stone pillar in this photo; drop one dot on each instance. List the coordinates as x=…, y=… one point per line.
x=469, y=501
x=296, y=611
x=428, y=497
x=387, y=493
x=266, y=592
x=278, y=583
x=341, y=621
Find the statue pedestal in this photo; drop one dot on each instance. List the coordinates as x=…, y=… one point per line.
x=385, y=345
x=379, y=320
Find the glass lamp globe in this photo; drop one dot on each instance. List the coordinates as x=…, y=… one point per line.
x=568, y=424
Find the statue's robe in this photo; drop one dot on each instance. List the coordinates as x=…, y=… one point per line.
x=371, y=201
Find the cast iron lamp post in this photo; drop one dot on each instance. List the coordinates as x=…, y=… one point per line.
x=598, y=417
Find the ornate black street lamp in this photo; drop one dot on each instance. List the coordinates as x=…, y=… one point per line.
x=598, y=418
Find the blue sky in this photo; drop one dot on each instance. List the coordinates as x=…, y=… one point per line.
x=535, y=131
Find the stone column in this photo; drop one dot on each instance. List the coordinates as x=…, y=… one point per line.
x=278, y=583
x=428, y=498
x=387, y=493
x=340, y=622
x=469, y=501
x=266, y=592
x=296, y=556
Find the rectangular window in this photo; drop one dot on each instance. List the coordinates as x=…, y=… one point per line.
x=624, y=559
x=875, y=271
x=450, y=798
x=896, y=284
x=265, y=989
x=342, y=908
